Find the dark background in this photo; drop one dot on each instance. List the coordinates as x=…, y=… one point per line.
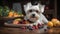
x=58, y=9
x=9, y=3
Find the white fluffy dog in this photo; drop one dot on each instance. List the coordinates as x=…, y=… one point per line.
x=34, y=13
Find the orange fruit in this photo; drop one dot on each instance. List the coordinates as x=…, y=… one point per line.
x=55, y=21
x=50, y=24
x=10, y=14
x=59, y=23
x=15, y=15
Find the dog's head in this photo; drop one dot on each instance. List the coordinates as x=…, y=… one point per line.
x=33, y=11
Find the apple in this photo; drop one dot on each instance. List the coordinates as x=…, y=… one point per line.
x=16, y=21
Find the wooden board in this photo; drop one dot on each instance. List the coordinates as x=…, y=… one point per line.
x=7, y=30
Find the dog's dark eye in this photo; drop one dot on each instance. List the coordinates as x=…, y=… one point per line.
x=30, y=10
x=37, y=11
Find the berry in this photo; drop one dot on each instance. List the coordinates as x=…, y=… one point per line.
x=40, y=26
x=35, y=27
x=23, y=22
x=30, y=28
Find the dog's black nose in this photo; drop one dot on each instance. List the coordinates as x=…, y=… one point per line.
x=33, y=15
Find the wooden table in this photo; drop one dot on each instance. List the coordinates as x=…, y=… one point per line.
x=9, y=30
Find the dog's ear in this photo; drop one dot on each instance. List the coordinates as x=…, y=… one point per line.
x=27, y=7
x=42, y=8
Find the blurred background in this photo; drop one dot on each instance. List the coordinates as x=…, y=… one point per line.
x=51, y=7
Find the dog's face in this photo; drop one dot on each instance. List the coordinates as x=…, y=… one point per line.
x=33, y=11
x=33, y=15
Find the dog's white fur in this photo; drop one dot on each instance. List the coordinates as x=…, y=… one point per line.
x=40, y=8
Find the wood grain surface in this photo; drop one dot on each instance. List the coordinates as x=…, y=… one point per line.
x=9, y=30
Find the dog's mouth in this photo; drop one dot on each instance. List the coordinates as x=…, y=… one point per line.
x=33, y=19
